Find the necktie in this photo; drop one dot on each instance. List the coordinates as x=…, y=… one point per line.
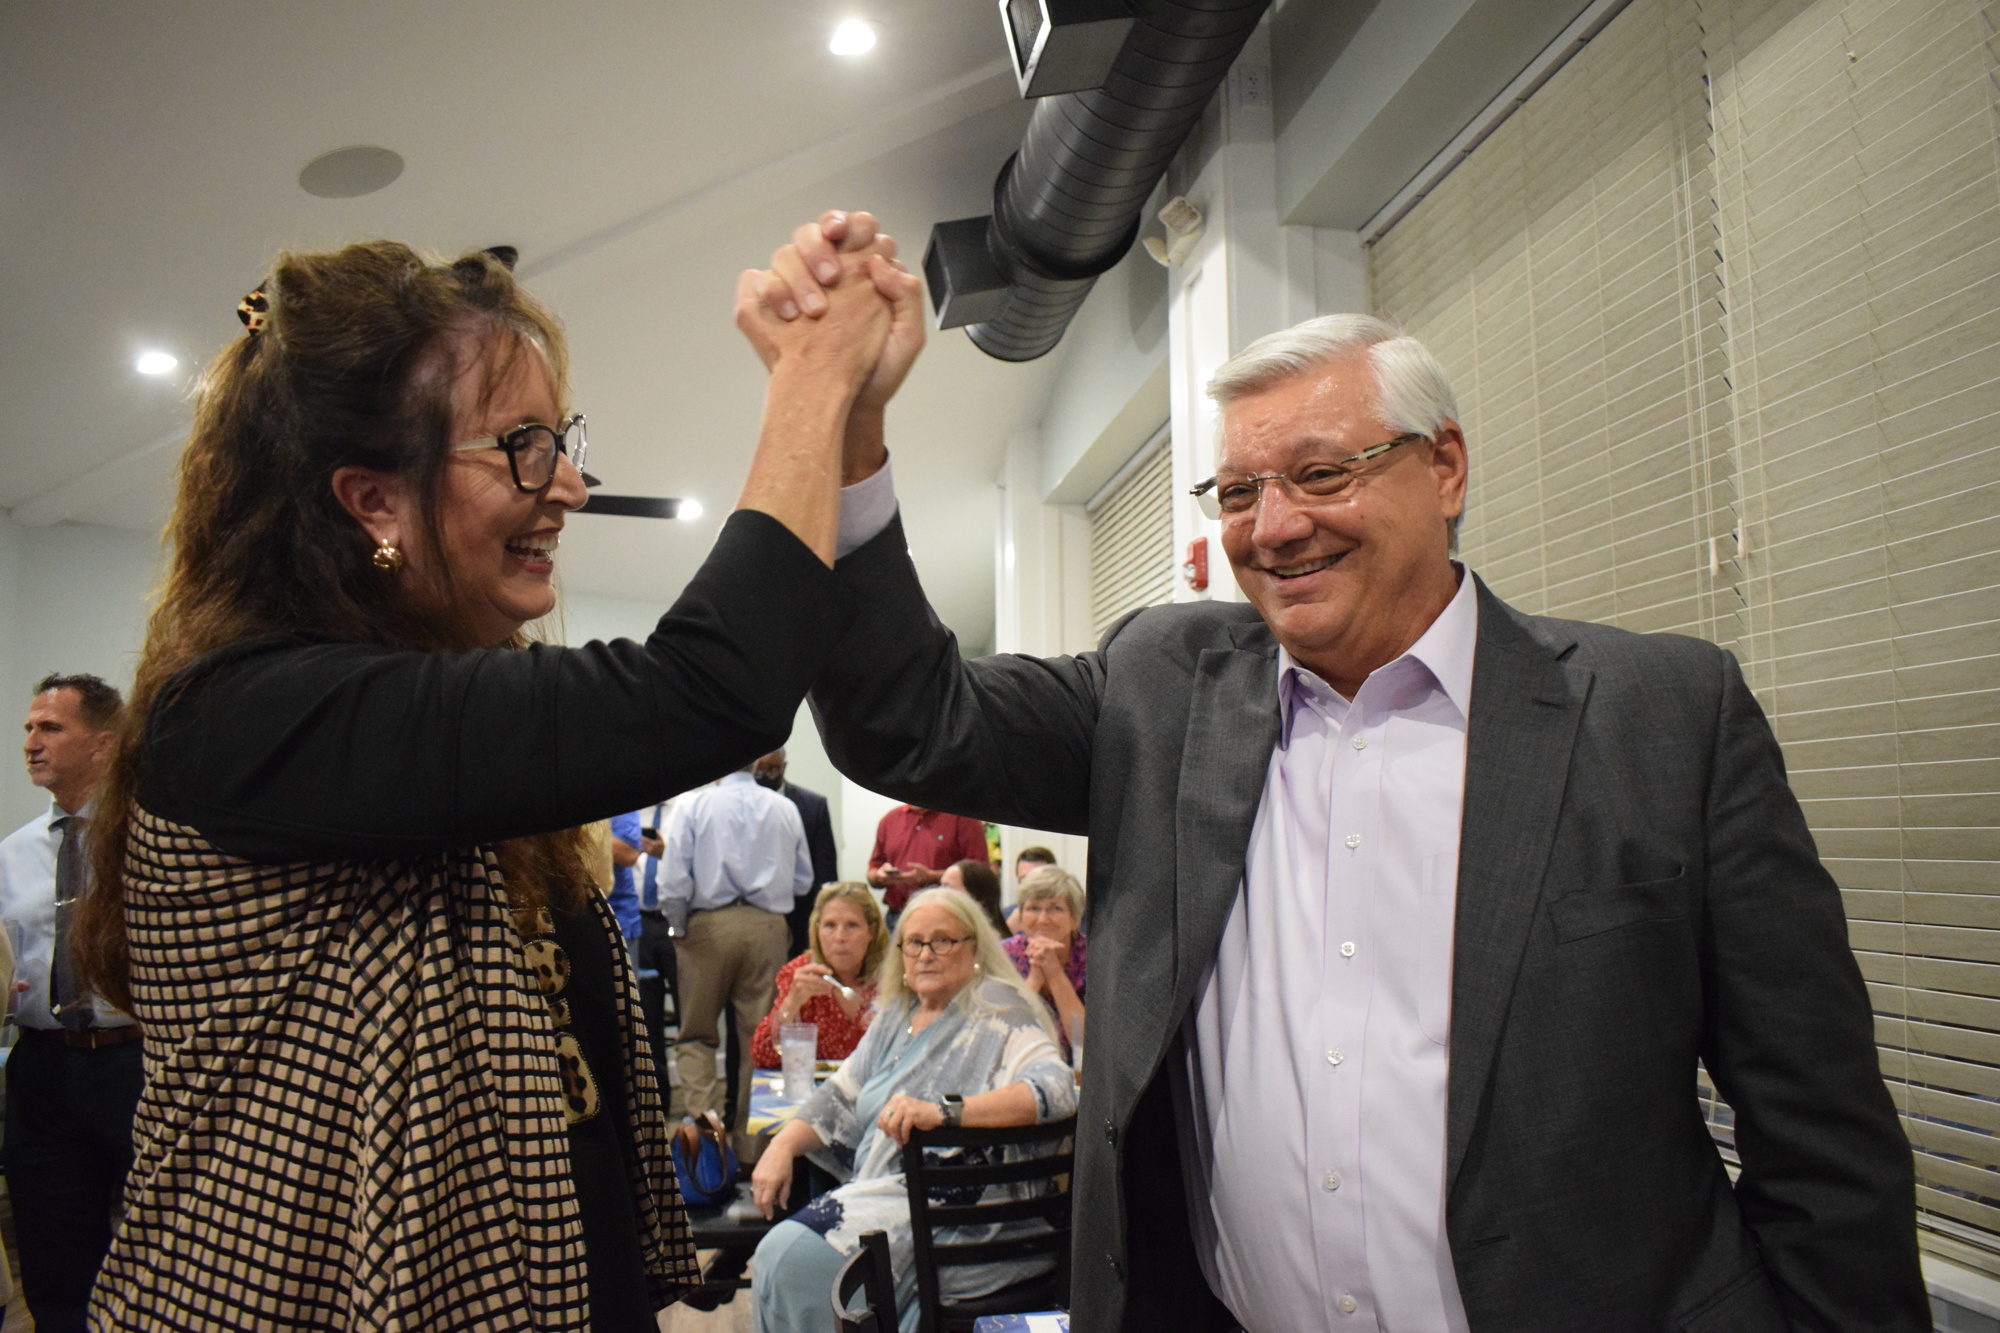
x=65, y=995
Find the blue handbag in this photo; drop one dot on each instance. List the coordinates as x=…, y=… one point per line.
x=704, y=1161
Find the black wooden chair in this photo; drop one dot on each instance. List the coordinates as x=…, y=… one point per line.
x=1045, y=1154
x=869, y=1269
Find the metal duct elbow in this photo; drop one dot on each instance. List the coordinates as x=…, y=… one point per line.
x=1066, y=205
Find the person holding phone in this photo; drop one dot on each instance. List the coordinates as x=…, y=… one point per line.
x=914, y=846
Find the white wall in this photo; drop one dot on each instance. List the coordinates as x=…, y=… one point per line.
x=1111, y=393
x=1042, y=603
x=73, y=598
x=860, y=810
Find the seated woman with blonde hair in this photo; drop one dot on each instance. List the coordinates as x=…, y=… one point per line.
x=1048, y=953
x=832, y=984
x=958, y=1040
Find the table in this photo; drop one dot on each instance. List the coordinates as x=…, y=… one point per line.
x=768, y=1107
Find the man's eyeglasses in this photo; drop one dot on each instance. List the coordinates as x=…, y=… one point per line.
x=1312, y=484
x=532, y=451
x=937, y=948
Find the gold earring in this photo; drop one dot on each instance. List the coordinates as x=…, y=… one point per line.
x=387, y=558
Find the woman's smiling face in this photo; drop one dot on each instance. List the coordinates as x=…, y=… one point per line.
x=1048, y=918
x=498, y=541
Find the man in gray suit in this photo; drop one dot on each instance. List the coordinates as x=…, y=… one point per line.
x=1419, y=912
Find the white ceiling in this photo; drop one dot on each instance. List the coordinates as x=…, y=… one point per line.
x=638, y=152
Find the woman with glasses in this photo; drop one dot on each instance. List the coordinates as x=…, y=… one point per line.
x=396, y=1071
x=1050, y=950
x=957, y=1040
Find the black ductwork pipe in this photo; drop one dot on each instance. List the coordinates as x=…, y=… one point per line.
x=1066, y=206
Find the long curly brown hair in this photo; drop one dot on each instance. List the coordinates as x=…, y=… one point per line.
x=353, y=367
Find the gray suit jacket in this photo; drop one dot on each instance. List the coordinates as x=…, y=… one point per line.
x=1637, y=891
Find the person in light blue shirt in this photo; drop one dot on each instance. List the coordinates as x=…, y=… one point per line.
x=76, y=1071
x=624, y=899
x=733, y=861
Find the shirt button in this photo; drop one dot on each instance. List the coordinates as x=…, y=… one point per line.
x=1334, y=1057
x=1331, y=1180
x=1354, y=840
x=1347, y=949
x=1348, y=1305
x=1360, y=742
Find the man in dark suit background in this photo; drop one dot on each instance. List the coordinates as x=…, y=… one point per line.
x=770, y=772
x=1418, y=912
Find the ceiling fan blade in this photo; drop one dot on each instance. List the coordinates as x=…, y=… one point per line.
x=633, y=506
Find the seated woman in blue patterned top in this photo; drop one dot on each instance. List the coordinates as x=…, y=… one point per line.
x=953, y=1020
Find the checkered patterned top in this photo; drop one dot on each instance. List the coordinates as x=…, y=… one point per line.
x=352, y=1115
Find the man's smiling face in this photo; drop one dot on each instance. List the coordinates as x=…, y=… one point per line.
x=1346, y=583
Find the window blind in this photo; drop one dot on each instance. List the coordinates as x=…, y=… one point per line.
x=1559, y=274
x=1722, y=301
x=1860, y=214
x=1132, y=538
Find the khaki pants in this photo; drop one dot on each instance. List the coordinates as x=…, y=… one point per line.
x=729, y=956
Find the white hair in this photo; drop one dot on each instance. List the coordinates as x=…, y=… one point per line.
x=1416, y=394
x=992, y=962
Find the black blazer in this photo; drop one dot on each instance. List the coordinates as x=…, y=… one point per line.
x=1637, y=891
x=819, y=836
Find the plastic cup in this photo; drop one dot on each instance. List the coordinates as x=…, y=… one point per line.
x=798, y=1051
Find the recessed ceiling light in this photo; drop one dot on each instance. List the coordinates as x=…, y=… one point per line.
x=690, y=509
x=156, y=363
x=347, y=173
x=852, y=38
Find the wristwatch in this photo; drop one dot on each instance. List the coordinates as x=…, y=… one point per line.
x=953, y=1109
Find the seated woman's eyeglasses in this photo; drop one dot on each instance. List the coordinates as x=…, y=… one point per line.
x=532, y=451
x=938, y=947
x=1310, y=484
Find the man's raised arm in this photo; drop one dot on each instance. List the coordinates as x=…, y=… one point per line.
x=1004, y=738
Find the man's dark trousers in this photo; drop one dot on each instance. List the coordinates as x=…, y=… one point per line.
x=814, y=813
x=655, y=950
x=69, y=1145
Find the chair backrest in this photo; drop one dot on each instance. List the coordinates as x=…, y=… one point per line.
x=869, y=1268
x=1029, y=1154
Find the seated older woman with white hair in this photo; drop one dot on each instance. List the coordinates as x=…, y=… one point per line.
x=959, y=1039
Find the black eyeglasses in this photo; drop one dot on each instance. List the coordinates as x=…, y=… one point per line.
x=1312, y=484
x=532, y=451
x=937, y=948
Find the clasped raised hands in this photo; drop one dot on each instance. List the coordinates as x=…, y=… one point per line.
x=1046, y=957
x=836, y=297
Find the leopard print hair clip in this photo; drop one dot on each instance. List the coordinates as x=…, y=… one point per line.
x=255, y=311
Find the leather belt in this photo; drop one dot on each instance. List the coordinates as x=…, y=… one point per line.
x=92, y=1040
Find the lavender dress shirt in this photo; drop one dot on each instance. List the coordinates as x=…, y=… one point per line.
x=1320, y=1041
